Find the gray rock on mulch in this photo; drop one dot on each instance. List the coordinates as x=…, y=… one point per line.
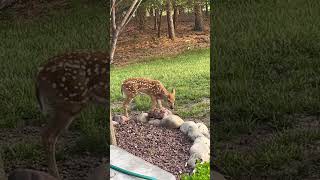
x=143, y=117
x=199, y=134
x=172, y=121
x=119, y=119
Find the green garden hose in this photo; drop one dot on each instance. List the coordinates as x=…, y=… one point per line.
x=131, y=173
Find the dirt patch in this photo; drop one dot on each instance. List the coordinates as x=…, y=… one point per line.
x=165, y=148
x=135, y=45
x=71, y=166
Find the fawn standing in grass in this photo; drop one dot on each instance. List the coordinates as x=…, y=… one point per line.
x=64, y=86
x=154, y=88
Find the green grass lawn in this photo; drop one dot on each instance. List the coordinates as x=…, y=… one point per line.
x=188, y=73
x=266, y=75
x=25, y=44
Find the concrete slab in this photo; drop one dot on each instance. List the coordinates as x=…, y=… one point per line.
x=125, y=160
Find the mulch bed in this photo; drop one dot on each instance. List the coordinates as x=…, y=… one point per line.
x=165, y=148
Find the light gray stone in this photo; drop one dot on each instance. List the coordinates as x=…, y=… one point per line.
x=155, y=122
x=143, y=117
x=120, y=119
x=203, y=140
x=203, y=129
x=194, y=133
x=172, y=121
x=200, y=148
x=186, y=125
x=200, y=157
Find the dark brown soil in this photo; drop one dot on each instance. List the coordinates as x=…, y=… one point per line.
x=73, y=166
x=165, y=148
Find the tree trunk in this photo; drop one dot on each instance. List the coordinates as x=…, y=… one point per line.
x=117, y=29
x=175, y=14
x=198, y=23
x=113, y=140
x=156, y=12
x=171, y=33
x=159, y=23
x=207, y=8
x=114, y=41
x=141, y=16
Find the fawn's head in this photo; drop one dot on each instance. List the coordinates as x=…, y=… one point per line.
x=171, y=98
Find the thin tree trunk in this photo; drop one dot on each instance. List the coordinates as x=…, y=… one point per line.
x=117, y=29
x=207, y=8
x=159, y=23
x=156, y=12
x=114, y=41
x=198, y=25
x=175, y=14
x=141, y=16
x=171, y=33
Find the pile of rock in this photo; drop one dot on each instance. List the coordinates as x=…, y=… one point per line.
x=197, y=132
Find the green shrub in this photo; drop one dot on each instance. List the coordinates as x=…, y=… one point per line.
x=202, y=172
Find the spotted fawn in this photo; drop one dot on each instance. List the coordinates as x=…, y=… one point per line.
x=131, y=87
x=64, y=86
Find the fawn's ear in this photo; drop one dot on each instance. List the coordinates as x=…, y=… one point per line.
x=174, y=91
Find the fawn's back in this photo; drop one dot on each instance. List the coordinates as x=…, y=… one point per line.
x=134, y=86
x=73, y=78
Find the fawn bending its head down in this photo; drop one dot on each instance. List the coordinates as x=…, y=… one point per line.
x=64, y=86
x=131, y=87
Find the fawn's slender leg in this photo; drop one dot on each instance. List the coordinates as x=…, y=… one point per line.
x=159, y=103
x=154, y=103
x=57, y=124
x=126, y=103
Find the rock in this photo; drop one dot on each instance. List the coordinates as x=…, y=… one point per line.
x=194, y=133
x=172, y=121
x=120, y=119
x=155, y=122
x=203, y=129
x=203, y=140
x=159, y=113
x=143, y=117
x=186, y=125
x=200, y=148
x=200, y=157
